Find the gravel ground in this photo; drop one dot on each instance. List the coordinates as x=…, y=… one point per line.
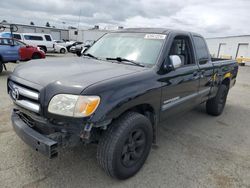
x=194, y=150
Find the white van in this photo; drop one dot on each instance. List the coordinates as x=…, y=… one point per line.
x=42, y=40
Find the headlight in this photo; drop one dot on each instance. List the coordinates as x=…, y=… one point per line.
x=73, y=105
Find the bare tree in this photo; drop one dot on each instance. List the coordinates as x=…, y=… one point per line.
x=47, y=24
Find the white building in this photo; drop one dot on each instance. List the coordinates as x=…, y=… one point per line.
x=56, y=33
x=230, y=47
x=86, y=35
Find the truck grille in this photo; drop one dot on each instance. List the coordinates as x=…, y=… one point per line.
x=24, y=97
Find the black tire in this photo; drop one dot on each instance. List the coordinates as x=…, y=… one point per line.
x=215, y=106
x=125, y=145
x=43, y=48
x=62, y=51
x=1, y=67
x=78, y=53
x=36, y=56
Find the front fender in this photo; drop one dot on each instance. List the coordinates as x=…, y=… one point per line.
x=121, y=94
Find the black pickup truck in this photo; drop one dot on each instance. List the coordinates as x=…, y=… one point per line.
x=116, y=94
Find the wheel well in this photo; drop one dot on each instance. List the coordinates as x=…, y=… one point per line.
x=148, y=111
x=226, y=82
x=44, y=47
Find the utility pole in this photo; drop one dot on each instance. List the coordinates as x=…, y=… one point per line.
x=79, y=23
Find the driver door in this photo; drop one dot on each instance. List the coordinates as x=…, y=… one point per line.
x=180, y=86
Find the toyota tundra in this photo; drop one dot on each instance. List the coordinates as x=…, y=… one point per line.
x=117, y=94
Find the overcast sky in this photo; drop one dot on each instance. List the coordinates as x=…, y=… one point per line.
x=207, y=17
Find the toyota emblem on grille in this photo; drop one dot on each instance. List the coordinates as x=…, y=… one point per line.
x=15, y=94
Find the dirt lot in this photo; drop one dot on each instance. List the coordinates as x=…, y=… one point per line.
x=194, y=150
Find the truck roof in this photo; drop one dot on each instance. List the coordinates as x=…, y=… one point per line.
x=154, y=30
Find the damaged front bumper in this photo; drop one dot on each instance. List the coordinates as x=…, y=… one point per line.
x=35, y=140
x=48, y=136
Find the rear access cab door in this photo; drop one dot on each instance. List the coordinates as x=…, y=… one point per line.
x=8, y=51
x=179, y=86
x=206, y=69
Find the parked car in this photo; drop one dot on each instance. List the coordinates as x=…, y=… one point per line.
x=69, y=42
x=8, y=52
x=79, y=49
x=27, y=52
x=12, y=50
x=72, y=49
x=117, y=94
x=61, y=43
x=60, y=49
x=42, y=40
x=73, y=44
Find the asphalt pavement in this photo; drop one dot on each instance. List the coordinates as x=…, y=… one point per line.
x=194, y=150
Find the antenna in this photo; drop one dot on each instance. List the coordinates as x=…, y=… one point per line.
x=79, y=23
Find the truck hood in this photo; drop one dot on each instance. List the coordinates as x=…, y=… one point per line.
x=82, y=71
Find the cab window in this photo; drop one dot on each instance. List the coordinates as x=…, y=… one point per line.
x=182, y=47
x=201, y=50
x=48, y=38
x=30, y=37
x=17, y=36
x=19, y=43
x=5, y=41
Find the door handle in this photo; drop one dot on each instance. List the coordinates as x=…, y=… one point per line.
x=202, y=73
x=196, y=75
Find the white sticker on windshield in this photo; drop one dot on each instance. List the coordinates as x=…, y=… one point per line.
x=155, y=36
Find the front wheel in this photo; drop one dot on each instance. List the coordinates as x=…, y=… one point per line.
x=125, y=145
x=1, y=67
x=215, y=106
x=36, y=56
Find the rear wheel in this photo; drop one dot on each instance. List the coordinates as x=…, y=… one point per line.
x=79, y=53
x=125, y=145
x=62, y=51
x=36, y=56
x=215, y=106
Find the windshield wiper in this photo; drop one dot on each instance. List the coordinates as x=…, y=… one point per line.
x=120, y=59
x=90, y=55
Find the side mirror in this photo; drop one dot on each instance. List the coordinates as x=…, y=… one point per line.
x=172, y=63
x=175, y=61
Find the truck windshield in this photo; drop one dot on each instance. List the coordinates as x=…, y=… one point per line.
x=138, y=47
